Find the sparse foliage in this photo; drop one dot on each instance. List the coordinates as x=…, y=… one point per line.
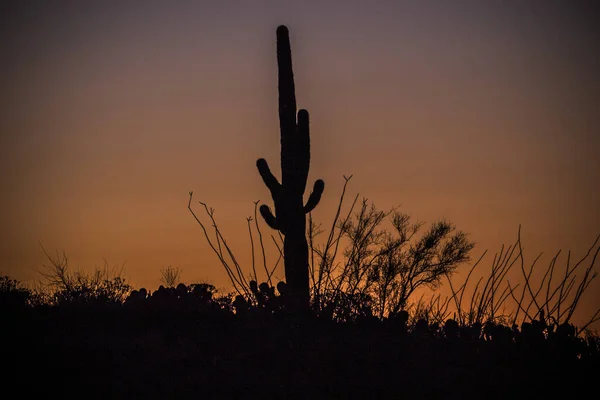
x=382, y=266
x=552, y=301
x=62, y=285
x=170, y=276
x=13, y=295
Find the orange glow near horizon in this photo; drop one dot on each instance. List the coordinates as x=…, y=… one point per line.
x=486, y=115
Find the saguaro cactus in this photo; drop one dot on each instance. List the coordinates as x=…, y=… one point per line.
x=290, y=210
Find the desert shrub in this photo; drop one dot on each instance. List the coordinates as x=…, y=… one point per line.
x=170, y=276
x=14, y=296
x=64, y=286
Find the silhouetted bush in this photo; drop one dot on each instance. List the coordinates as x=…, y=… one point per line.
x=14, y=297
x=190, y=341
x=61, y=285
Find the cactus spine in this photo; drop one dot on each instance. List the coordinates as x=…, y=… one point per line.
x=290, y=210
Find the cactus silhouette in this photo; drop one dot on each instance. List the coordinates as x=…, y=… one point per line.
x=290, y=210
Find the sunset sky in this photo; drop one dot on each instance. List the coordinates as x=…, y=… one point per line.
x=483, y=113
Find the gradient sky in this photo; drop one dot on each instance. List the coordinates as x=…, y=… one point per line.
x=484, y=113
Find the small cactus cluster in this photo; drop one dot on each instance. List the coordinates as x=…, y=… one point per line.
x=290, y=210
x=534, y=337
x=194, y=297
x=265, y=299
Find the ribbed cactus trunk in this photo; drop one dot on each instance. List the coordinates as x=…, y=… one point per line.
x=290, y=210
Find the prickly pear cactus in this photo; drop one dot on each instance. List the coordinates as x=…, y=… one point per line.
x=290, y=210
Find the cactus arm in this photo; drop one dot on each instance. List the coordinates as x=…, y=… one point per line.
x=304, y=162
x=268, y=177
x=303, y=150
x=315, y=196
x=268, y=216
x=274, y=187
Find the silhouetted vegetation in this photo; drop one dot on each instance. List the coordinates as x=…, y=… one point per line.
x=379, y=268
x=170, y=276
x=190, y=341
x=61, y=285
x=95, y=334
